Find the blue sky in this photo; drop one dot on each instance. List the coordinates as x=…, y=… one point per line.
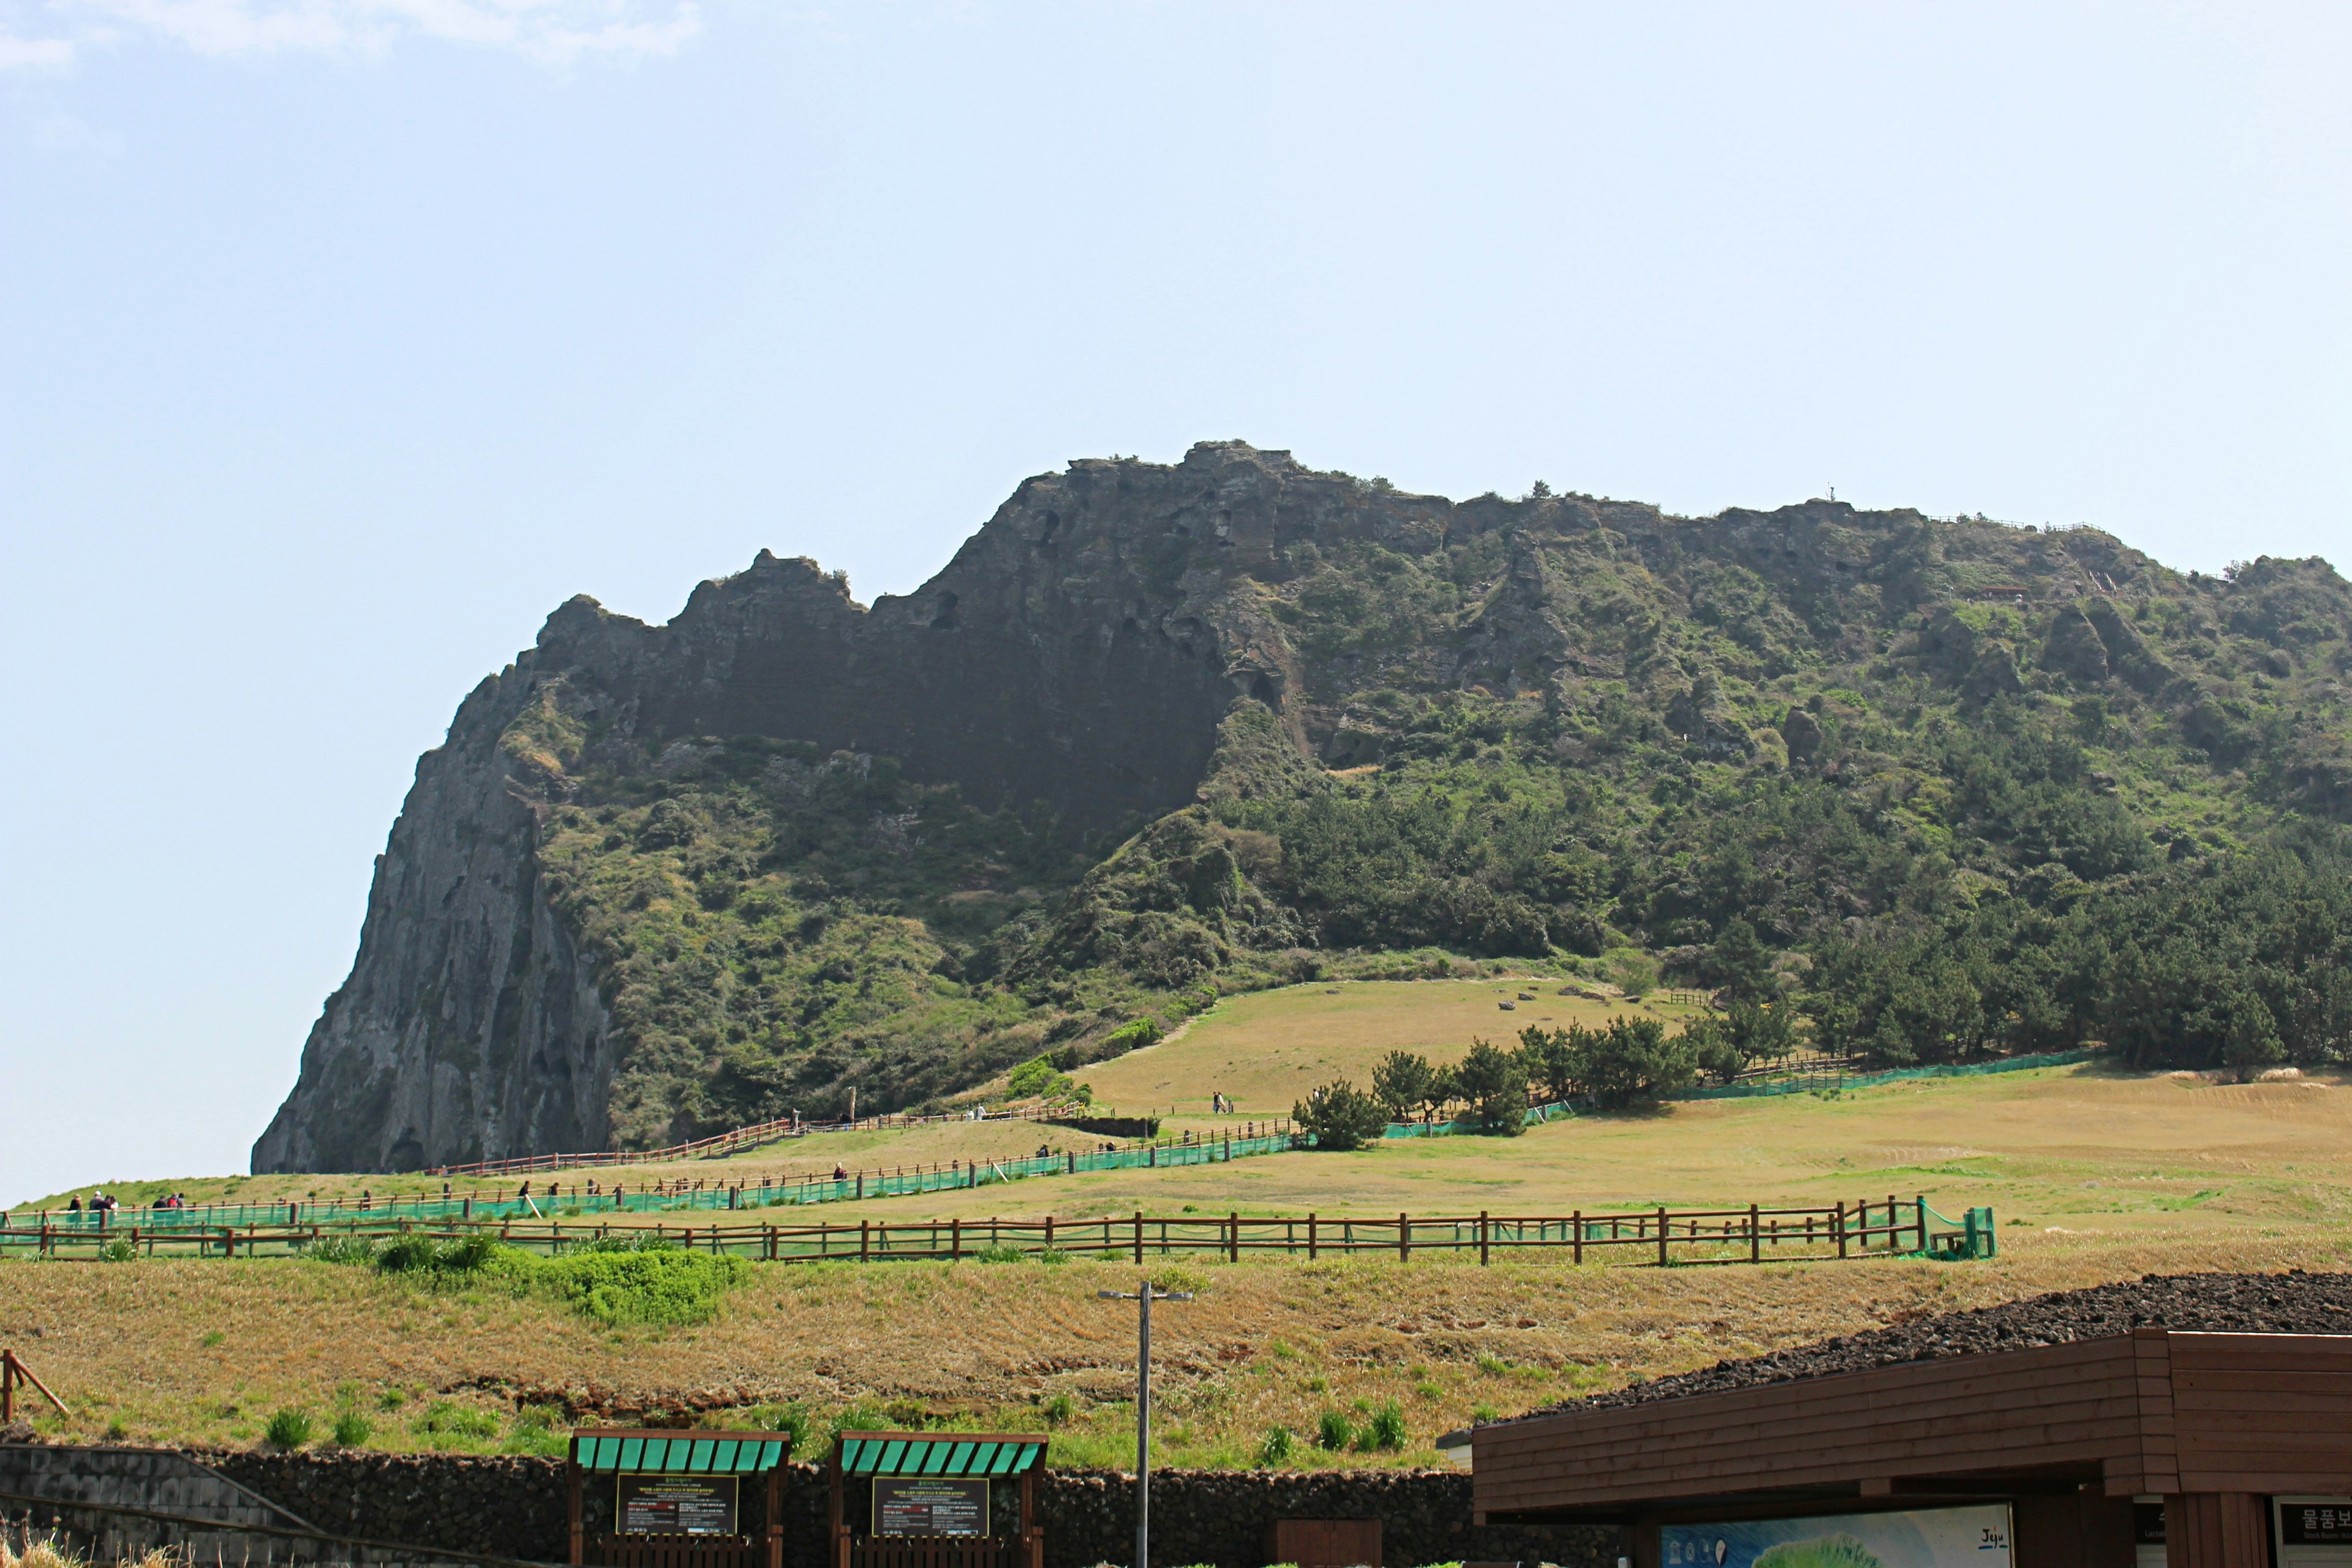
x=341, y=340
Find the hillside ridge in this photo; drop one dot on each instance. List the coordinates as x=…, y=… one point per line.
x=1163, y=730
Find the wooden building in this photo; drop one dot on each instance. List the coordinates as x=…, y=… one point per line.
x=674, y=1500
x=936, y=1499
x=2159, y=1449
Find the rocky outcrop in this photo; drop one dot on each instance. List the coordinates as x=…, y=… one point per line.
x=1080, y=650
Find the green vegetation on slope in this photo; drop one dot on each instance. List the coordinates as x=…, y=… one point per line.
x=1828, y=759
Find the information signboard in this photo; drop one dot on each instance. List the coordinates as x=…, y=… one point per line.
x=921, y=1505
x=2313, y=1532
x=675, y=1504
x=1923, y=1538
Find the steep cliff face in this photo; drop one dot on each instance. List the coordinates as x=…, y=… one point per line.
x=1159, y=730
x=1079, y=651
x=470, y=1021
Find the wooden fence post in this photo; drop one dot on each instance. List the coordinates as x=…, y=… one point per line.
x=1138, y=1235
x=865, y=1241
x=1662, y=1236
x=1310, y=1237
x=1837, y=1223
x=1234, y=1234
x=1754, y=1240
x=1405, y=1239
x=1482, y=1238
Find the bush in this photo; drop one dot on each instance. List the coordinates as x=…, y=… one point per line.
x=1333, y=1431
x=649, y=1288
x=121, y=1250
x=344, y=1249
x=445, y=1419
x=352, y=1430
x=794, y=1419
x=289, y=1428
x=1032, y=1078
x=1341, y=1116
x=422, y=1254
x=1133, y=1035
x=1386, y=1428
x=1275, y=1446
x=1000, y=1252
x=405, y=1254
x=1059, y=1410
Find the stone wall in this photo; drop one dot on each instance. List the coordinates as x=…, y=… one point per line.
x=500, y=1506
x=110, y=1503
x=515, y=1506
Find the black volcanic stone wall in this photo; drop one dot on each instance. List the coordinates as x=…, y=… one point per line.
x=502, y=1507
x=1221, y=1517
x=514, y=1507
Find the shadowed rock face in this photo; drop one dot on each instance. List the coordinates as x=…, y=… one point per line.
x=1078, y=651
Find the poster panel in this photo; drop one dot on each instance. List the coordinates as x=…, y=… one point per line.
x=1975, y=1536
x=920, y=1505
x=674, y=1505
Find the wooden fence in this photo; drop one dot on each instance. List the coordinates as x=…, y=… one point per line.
x=1659, y=1237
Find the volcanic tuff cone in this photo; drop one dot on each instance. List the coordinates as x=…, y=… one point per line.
x=1162, y=729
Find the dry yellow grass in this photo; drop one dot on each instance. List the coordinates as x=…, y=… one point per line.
x=2095, y=1174
x=1268, y=1049
x=2140, y=1156
x=187, y=1350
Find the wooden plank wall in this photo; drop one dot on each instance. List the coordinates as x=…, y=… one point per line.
x=2262, y=1412
x=2060, y=1404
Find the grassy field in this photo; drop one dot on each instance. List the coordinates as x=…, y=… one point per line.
x=206, y=1351
x=1266, y=1049
x=2095, y=1174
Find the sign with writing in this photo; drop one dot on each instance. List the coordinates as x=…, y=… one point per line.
x=2315, y=1521
x=921, y=1505
x=1923, y=1538
x=674, y=1505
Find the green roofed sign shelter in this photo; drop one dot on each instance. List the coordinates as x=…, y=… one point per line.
x=674, y=1500
x=965, y=1499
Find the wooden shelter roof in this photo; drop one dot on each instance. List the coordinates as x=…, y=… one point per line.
x=939, y=1453
x=2151, y=1412
x=636, y=1450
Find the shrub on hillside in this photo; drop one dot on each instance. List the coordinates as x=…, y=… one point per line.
x=668, y=1287
x=1495, y=1082
x=1341, y=1116
x=289, y=1428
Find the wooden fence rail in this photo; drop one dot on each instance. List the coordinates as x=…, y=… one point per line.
x=1657, y=1237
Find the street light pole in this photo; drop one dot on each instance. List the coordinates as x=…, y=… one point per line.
x=1142, y=1296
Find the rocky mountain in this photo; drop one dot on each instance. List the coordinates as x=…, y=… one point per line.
x=1163, y=730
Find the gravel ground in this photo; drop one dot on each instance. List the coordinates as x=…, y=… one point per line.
x=2290, y=1304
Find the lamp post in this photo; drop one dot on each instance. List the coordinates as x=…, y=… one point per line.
x=1142, y=1296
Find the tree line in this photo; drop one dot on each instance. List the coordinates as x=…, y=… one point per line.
x=1626, y=1061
